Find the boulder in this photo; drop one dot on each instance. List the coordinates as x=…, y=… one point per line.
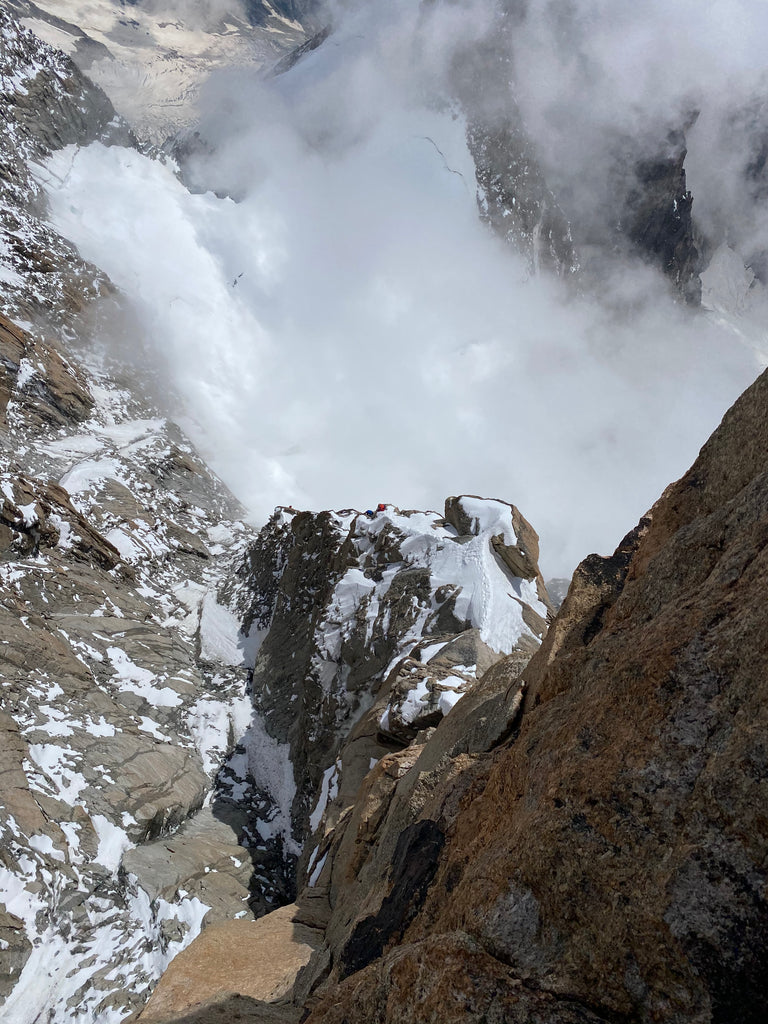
x=257, y=960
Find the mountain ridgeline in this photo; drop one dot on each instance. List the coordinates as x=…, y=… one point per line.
x=359, y=765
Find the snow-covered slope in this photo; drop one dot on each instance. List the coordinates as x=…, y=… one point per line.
x=122, y=679
x=114, y=722
x=152, y=58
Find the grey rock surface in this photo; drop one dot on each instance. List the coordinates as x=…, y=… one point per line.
x=377, y=625
x=122, y=676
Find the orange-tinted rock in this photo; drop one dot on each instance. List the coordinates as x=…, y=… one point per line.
x=617, y=857
x=256, y=959
x=445, y=979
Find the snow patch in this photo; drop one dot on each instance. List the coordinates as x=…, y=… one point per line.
x=269, y=764
x=220, y=638
x=141, y=681
x=329, y=790
x=113, y=842
x=216, y=725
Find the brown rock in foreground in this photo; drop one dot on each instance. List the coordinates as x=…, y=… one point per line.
x=254, y=959
x=617, y=859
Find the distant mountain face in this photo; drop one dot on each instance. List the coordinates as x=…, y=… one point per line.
x=151, y=57
x=297, y=10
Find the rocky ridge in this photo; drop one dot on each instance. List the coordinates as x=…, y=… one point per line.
x=121, y=687
x=153, y=59
x=582, y=841
x=384, y=648
x=123, y=683
x=374, y=626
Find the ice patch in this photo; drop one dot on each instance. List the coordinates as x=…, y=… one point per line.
x=329, y=789
x=448, y=699
x=269, y=764
x=431, y=651
x=220, y=638
x=416, y=701
x=491, y=517
x=147, y=725
x=216, y=725
x=313, y=878
x=44, y=845
x=113, y=842
x=85, y=474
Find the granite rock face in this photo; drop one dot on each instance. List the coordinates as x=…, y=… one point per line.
x=256, y=959
x=609, y=859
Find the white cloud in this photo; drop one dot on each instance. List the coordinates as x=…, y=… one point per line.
x=351, y=333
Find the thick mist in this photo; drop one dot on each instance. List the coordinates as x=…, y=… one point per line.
x=348, y=331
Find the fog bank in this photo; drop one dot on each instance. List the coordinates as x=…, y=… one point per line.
x=349, y=332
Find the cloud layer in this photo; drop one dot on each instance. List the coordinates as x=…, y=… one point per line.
x=349, y=332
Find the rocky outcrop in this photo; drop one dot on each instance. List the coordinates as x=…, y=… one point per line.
x=373, y=627
x=654, y=209
x=54, y=391
x=362, y=603
x=513, y=196
x=607, y=861
x=257, y=960
x=46, y=103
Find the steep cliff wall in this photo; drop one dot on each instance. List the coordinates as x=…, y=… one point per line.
x=610, y=862
x=584, y=841
x=122, y=684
